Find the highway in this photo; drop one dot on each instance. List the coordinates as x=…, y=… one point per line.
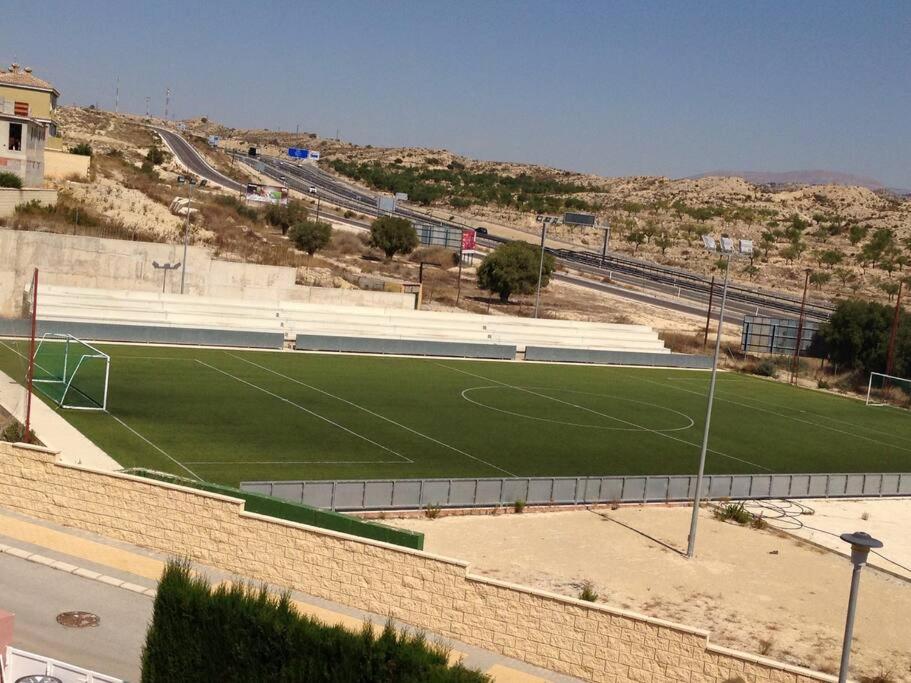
x=672, y=288
x=193, y=161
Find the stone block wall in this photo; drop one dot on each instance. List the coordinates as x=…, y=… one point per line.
x=594, y=642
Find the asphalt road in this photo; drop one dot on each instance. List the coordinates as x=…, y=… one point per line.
x=37, y=594
x=190, y=158
x=680, y=297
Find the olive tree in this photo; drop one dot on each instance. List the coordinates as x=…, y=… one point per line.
x=512, y=268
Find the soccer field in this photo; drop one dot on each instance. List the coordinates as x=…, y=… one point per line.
x=227, y=416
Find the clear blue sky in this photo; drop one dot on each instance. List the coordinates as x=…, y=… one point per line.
x=616, y=88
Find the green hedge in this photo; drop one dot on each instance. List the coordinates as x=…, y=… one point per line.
x=303, y=514
x=241, y=633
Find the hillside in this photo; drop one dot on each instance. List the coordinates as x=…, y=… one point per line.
x=855, y=238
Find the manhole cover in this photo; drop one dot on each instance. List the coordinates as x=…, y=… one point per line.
x=78, y=619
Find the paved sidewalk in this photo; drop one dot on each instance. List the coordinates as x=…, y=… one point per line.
x=54, y=431
x=127, y=575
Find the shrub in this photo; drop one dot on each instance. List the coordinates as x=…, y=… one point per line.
x=8, y=179
x=822, y=384
x=518, y=506
x=310, y=236
x=432, y=511
x=241, y=633
x=82, y=149
x=155, y=155
x=588, y=592
x=14, y=432
x=513, y=269
x=348, y=213
x=765, y=368
x=284, y=216
x=393, y=235
x=734, y=512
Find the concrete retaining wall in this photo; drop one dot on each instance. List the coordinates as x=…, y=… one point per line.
x=10, y=198
x=591, y=641
x=80, y=261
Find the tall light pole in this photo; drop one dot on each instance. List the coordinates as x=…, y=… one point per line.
x=318, y=197
x=190, y=182
x=166, y=267
x=861, y=544
x=727, y=248
x=795, y=363
x=544, y=221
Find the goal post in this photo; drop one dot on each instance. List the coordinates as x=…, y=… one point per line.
x=888, y=390
x=71, y=372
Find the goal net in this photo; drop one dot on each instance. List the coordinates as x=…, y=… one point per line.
x=72, y=373
x=886, y=390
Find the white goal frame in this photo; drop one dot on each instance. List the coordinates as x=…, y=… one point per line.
x=67, y=379
x=870, y=402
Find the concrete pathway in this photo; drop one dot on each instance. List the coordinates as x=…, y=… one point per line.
x=54, y=431
x=46, y=569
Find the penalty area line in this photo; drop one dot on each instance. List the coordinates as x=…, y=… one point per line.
x=375, y=414
x=307, y=410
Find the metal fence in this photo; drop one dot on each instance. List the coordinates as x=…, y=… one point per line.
x=390, y=494
x=761, y=334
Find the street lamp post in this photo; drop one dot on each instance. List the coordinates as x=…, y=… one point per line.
x=165, y=267
x=861, y=544
x=727, y=248
x=190, y=182
x=318, y=197
x=544, y=221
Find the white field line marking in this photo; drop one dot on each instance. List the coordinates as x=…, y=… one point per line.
x=382, y=417
x=297, y=462
x=787, y=417
x=610, y=417
x=133, y=431
x=155, y=446
x=307, y=410
x=579, y=424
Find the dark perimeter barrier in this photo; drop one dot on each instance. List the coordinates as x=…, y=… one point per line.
x=643, y=358
x=404, y=347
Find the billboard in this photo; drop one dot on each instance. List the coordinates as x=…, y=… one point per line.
x=266, y=194
x=401, y=196
x=385, y=204
x=214, y=140
x=298, y=153
x=579, y=219
x=469, y=240
x=314, y=155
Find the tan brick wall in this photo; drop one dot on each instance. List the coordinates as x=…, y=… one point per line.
x=10, y=198
x=590, y=641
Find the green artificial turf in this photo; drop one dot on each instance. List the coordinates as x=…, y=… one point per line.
x=230, y=416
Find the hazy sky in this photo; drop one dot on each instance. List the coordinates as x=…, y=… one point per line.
x=616, y=88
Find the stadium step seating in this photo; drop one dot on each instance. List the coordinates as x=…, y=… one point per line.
x=114, y=307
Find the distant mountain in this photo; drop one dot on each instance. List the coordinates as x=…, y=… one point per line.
x=798, y=178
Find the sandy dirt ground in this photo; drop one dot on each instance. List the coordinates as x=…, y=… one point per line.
x=757, y=591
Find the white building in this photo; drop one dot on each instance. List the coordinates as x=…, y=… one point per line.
x=22, y=141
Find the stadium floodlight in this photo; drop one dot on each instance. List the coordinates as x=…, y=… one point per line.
x=190, y=181
x=861, y=545
x=543, y=220
x=727, y=248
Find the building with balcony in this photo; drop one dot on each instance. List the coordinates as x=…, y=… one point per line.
x=26, y=95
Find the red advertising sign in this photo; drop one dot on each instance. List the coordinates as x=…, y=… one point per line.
x=469, y=240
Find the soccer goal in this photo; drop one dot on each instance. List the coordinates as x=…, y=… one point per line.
x=72, y=373
x=887, y=390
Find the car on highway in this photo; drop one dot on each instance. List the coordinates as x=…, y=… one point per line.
x=480, y=231
x=313, y=189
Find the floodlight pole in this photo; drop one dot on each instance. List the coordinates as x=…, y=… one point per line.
x=795, y=366
x=708, y=313
x=540, y=267
x=27, y=437
x=890, y=354
x=606, y=230
x=461, y=256
x=694, y=521
x=186, y=234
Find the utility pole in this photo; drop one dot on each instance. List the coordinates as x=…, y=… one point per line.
x=708, y=313
x=795, y=366
x=167, y=102
x=890, y=354
x=148, y=103
x=117, y=97
x=540, y=267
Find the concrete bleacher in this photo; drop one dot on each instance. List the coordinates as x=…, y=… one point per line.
x=144, y=308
